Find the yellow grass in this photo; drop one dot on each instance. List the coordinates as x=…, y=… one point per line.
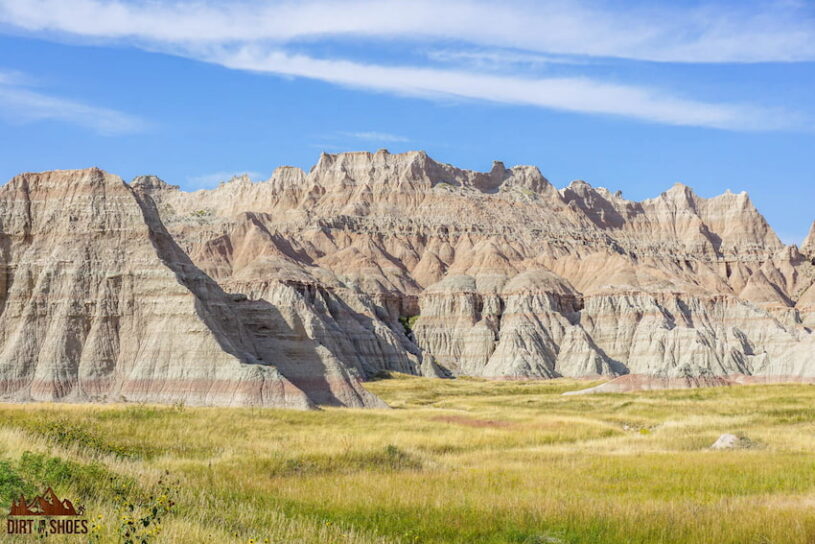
x=467, y=461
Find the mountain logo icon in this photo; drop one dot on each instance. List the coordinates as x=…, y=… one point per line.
x=47, y=504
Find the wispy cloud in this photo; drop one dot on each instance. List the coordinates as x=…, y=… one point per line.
x=376, y=136
x=492, y=58
x=13, y=77
x=19, y=104
x=258, y=36
x=570, y=94
x=211, y=180
x=749, y=31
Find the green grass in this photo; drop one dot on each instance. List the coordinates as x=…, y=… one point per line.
x=463, y=461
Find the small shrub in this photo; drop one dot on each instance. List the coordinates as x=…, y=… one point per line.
x=408, y=322
x=746, y=443
x=12, y=483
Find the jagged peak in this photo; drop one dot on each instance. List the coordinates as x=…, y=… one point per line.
x=809, y=242
x=685, y=192
x=93, y=176
x=788, y=253
x=528, y=168
x=419, y=166
x=680, y=190
x=576, y=189
x=238, y=178
x=69, y=173
x=579, y=184
x=583, y=189
x=729, y=195
x=151, y=183
x=328, y=161
x=528, y=177
x=679, y=196
x=608, y=195
x=421, y=163
x=287, y=172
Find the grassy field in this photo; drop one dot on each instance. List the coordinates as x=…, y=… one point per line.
x=465, y=461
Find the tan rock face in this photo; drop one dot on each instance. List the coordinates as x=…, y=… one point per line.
x=809, y=244
x=99, y=302
x=288, y=292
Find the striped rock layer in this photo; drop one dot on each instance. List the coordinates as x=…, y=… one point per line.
x=291, y=291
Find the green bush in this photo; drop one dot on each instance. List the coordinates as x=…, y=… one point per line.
x=408, y=321
x=12, y=484
x=33, y=472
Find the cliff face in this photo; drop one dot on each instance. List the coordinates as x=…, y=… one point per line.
x=288, y=292
x=99, y=302
x=809, y=243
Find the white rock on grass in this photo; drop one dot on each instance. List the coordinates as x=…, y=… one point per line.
x=727, y=442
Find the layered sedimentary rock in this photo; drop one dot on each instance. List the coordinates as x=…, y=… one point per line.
x=809, y=243
x=290, y=291
x=99, y=302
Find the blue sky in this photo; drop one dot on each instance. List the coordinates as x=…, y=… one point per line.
x=628, y=95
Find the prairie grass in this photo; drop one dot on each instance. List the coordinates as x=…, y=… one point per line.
x=463, y=461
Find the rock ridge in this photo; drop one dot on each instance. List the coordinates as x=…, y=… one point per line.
x=291, y=291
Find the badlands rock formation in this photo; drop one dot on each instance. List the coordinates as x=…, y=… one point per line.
x=291, y=291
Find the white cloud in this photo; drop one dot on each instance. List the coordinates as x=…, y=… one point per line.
x=570, y=94
x=492, y=58
x=254, y=35
x=22, y=105
x=211, y=180
x=376, y=136
x=10, y=77
x=750, y=31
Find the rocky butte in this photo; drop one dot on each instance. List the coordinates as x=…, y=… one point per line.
x=290, y=292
